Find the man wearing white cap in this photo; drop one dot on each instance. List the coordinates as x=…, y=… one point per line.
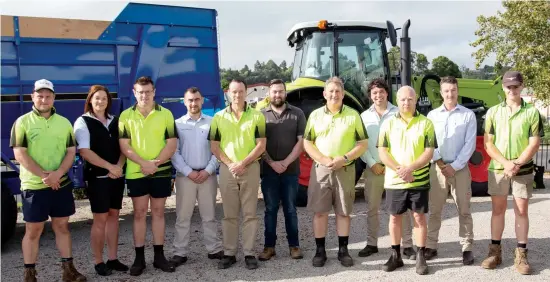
x=43, y=144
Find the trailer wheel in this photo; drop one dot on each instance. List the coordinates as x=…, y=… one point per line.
x=9, y=214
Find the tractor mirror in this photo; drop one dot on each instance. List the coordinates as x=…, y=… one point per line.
x=392, y=33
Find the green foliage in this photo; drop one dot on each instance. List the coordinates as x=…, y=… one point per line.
x=261, y=73
x=519, y=37
x=421, y=64
x=443, y=66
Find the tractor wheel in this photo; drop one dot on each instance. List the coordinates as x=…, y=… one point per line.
x=9, y=214
x=480, y=189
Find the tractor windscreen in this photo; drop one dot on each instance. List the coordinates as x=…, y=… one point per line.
x=360, y=58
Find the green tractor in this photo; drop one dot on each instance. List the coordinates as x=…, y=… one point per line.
x=356, y=52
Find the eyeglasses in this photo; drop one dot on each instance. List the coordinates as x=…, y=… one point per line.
x=146, y=93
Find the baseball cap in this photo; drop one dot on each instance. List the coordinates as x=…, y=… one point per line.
x=43, y=84
x=512, y=78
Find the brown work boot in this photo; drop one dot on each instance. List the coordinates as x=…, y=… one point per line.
x=30, y=274
x=70, y=274
x=296, y=253
x=267, y=254
x=494, y=257
x=520, y=261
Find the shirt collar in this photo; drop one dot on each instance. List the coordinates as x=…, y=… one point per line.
x=389, y=107
x=187, y=117
x=443, y=109
x=156, y=107
x=246, y=108
x=523, y=103
x=35, y=110
x=398, y=114
x=109, y=116
x=327, y=111
x=269, y=109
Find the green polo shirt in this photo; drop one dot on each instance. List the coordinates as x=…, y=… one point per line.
x=148, y=137
x=335, y=134
x=46, y=141
x=237, y=137
x=512, y=131
x=406, y=142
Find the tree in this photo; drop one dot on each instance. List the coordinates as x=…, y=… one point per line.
x=519, y=38
x=442, y=66
x=421, y=64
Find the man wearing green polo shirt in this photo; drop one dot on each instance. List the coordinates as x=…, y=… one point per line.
x=334, y=138
x=43, y=144
x=237, y=139
x=512, y=137
x=406, y=143
x=148, y=138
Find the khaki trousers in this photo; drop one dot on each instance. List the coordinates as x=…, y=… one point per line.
x=374, y=188
x=461, y=190
x=239, y=193
x=187, y=194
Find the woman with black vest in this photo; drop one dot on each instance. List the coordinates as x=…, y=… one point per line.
x=96, y=133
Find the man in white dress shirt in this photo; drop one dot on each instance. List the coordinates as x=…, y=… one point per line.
x=455, y=130
x=195, y=180
x=372, y=118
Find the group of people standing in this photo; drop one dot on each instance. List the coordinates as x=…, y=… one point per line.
x=417, y=160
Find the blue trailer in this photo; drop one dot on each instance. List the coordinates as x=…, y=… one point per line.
x=176, y=46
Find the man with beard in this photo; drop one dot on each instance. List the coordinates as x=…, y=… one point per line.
x=43, y=144
x=196, y=179
x=405, y=145
x=373, y=118
x=334, y=138
x=148, y=138
x=285, y=125
x=237, y=139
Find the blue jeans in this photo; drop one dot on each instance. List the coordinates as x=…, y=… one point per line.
x=278, y=188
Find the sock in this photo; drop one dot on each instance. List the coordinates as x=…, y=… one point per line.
x=158, y=249
x=524, y=246
x=140, y=253
x=397, y=248
x=30, y=265
x=495, y=242
x=320, y=242
x=343, y=241
x=66, y=259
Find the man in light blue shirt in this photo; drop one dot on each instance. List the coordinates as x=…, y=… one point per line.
x=372, y=118
x=455, y=129
x=196, y=179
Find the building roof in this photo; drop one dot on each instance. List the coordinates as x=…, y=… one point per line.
x=313, y=24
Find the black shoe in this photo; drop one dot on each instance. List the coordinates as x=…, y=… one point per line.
x=102, y=269
x=394, y=262
x=409, y=253
x=218, y=255
x=251, y=262
x=421, y=266
x=344, y=257
x=429, y=254
x=137, y=268
x=178, y=260
x=161, y=263
x=467, y=258
x=320, y=258
x=117, y=265
x=368, y=250
x=226, y=262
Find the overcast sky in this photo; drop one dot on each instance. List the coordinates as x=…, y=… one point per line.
x=251, y=31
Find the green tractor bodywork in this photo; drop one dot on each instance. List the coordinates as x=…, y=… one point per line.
x=356, y=52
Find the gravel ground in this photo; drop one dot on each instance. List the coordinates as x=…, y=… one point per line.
x=447, y=267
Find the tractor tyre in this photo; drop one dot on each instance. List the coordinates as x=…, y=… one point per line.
x=9, y=214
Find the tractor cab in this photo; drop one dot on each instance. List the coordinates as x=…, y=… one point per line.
x=355, y=51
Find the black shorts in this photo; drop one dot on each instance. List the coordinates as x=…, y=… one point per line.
x=156, y=187
x=38, y=205
x=105, y=194
x=399, y=201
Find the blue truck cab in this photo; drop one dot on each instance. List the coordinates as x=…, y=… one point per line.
x=176, y=46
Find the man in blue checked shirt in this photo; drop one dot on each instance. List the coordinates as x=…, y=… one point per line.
x=195, y=180
x=455, y=130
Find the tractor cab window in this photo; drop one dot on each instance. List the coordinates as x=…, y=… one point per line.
x=316, y=56
x=360, y=59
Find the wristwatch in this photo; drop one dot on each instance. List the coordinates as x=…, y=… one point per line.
x=346, y=158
